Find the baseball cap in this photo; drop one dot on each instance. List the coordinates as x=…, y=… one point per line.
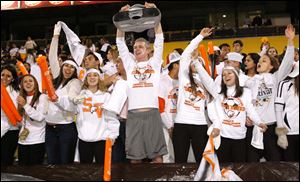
x=171, y=58
x=234, y=56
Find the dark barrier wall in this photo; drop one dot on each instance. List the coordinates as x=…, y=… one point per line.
x=266, y=171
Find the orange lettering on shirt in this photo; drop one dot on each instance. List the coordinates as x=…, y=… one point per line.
x=99, y=109
x=142, y=84
x=87, y=105
x=231, y=123
x=189, y=103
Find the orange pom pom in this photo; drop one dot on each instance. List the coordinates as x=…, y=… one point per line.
x=46, y=77
x=204, y=56
x=107, y=160
x=264, y=40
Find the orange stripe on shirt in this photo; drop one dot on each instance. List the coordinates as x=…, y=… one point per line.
x=161, y=104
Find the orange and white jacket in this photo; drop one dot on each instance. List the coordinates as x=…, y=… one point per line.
x=90, y=123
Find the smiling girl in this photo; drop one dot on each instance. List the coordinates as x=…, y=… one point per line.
x=93, y=130
x=32, y=105
x=61, y=133
x=269, y=75
x=9, y=133
x=236, y=105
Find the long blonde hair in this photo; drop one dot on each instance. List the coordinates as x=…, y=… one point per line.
x=114, y=53
x=101, y=86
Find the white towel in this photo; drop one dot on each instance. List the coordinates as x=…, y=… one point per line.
x=209, y=168
x=217, y=140
x=117, y=98
x=257, y=138
x=77, y=50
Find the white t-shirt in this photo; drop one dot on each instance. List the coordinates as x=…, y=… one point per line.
x=169, y=92
x=109, y=68
x=142, y=77
x=191, y=107
x=235, y=110
x=267, y=84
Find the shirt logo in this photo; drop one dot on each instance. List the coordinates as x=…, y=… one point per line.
x=142, y=74
x=232, y=107
x=173, y=97
x=264, y=94
x=192, y=98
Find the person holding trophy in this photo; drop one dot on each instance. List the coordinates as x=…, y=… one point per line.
x=144, y=133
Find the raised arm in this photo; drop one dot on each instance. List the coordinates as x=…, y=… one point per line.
x=159, y=39
x=120, y=41
x=205, y=32
x=264, y=49
x=53, y=58
x=158, y=45
x=120, y=33
x=288, y=59
x=207, y=81
x=122, y=47
x=186, y=56
x=76, y=48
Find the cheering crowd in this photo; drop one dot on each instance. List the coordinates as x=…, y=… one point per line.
x=151, y=113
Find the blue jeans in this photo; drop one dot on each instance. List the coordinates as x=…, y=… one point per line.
x=61, y=142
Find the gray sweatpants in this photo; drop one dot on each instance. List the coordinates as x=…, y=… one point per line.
x=144, y=135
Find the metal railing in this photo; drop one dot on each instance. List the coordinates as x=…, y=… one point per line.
x=185, y=35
